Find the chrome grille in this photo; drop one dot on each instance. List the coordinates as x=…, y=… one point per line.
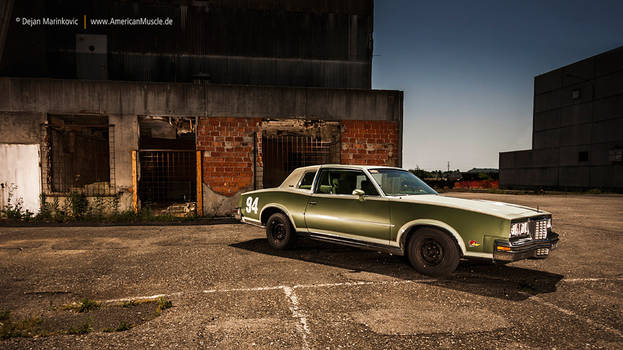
x=538, y=229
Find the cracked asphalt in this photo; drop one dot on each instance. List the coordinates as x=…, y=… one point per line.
x=230, y=290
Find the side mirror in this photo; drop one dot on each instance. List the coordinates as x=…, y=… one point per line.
x=360, y=193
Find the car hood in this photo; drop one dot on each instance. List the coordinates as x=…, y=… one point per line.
x=499, y=209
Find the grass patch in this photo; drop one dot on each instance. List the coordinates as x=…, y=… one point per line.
x=163, y=304
x=87, y=305
x=129, y=303
x=123, y=326
x=84, y=328
x=24, y=328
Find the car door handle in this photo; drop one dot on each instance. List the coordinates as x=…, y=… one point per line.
x=313, y=203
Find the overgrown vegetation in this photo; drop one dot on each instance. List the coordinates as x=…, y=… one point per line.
x=76, y=207
x=87, y=305
x=14, y=209
x=23, y=328
x=123, y=326
x=71, y=319
x=83, y=328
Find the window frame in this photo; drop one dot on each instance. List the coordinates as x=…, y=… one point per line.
x=298, y=184
x=316, y=184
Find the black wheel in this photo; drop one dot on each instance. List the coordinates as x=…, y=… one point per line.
x=279, y=231
x=432, y=252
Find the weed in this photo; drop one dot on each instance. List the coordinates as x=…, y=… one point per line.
x=14, y=209
x=81, y=329
x=24, y=328
x=129, y=303
x=97, y=209
x=123, y=326
x=45, y=209
x=87, y=305
x=116, y=199
x=163, y=304
x=79, y=204
x=5, y=315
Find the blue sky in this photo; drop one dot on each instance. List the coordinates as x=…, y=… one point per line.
x=467, y=69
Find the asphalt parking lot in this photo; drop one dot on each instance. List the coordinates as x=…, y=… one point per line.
x=230, y=290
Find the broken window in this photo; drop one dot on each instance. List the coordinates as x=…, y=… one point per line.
x=79, y=154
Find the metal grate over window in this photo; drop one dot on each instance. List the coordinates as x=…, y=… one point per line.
x=79, y=155
x=167, y=176
x=283, y=153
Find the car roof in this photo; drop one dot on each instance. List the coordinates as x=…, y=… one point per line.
x=347, y=166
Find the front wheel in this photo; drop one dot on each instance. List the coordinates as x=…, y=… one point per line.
x=279, y=231
x=432, y=252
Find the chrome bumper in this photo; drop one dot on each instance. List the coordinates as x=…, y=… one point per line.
x=506, y=251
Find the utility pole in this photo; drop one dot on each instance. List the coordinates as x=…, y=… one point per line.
x=448, y=166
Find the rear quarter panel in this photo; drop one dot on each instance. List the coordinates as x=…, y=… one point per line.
x=471, y=226
x=292, y=202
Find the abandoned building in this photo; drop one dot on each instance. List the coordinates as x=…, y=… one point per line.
x=577, y=137
x=230, y=98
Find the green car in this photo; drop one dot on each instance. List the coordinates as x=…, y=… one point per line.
x=391, y=210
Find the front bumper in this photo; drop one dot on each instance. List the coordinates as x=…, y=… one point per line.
x=509, y=251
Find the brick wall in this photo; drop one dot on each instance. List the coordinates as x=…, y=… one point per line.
x=369, y=142
x=227, y=145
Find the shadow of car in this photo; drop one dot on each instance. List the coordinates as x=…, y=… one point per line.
x=476, y=277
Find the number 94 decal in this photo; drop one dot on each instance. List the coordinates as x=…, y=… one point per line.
x=252, y=204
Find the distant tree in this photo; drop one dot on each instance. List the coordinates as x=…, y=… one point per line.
x=421, y=173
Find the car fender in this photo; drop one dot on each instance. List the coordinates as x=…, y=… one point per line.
x=280, y=207
x=435, y=223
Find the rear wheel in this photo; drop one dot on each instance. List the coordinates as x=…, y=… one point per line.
x=432, y=252
x=279, y=231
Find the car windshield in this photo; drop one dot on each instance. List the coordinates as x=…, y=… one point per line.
x=395, y=182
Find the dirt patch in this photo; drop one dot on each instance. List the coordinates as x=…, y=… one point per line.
x=84, y=317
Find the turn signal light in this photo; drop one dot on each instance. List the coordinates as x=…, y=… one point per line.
x=506, y=249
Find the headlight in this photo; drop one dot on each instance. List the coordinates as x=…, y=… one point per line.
x=549, y=223
x=519, y=229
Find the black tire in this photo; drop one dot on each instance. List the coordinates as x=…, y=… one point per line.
x=279, y=231
x=432, y=252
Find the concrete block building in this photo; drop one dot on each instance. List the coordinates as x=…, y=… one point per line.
x=231, y=97
x=577, y=139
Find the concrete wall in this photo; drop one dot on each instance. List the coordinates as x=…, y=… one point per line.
x=577, y=109
x=25, y=104
x=182, y=99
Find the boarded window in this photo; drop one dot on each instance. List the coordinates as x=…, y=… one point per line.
x=79, y=157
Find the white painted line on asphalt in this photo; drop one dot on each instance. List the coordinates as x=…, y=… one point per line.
x=338, y=284
x=361, y=283
x=241, y=289
x=302, y=327
x=573, y=314
x=149, y=297
x=599, y=279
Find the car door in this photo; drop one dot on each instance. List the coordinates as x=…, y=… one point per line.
x=333, y=210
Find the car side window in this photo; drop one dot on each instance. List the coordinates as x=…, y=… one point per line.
x=307, y=180
x=336, y=181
